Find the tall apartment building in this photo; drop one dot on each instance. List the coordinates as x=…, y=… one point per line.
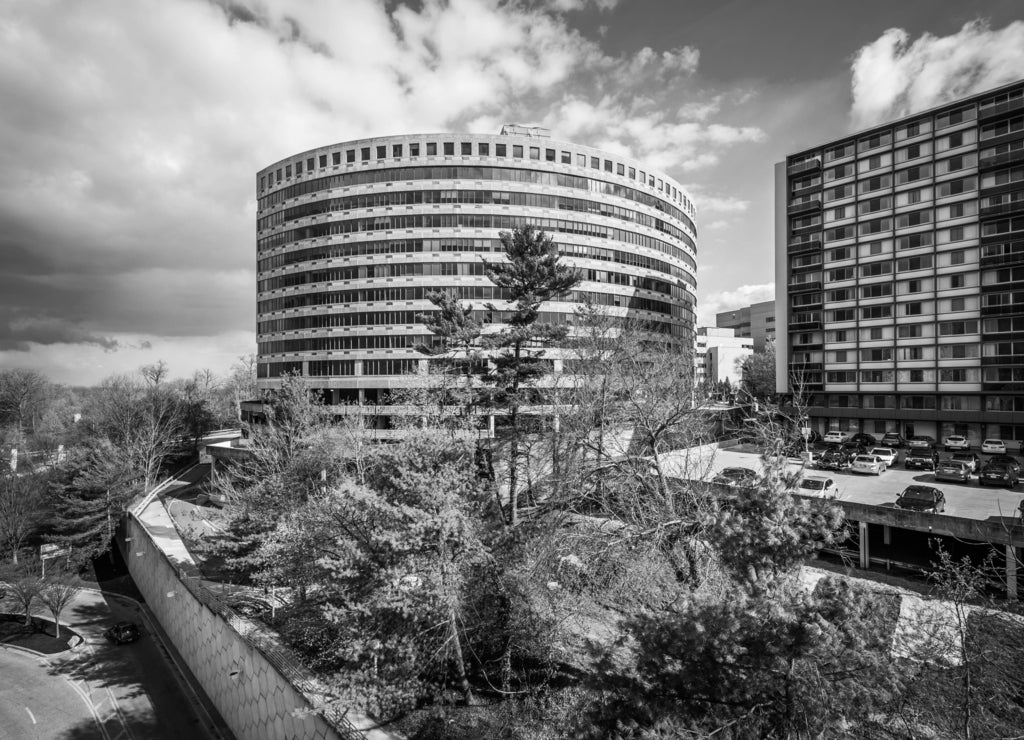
x=756, y=321
x=352, y=237
x=900, y=266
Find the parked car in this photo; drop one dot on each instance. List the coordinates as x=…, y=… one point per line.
x=920, y=459
x=835, y=459
x=888, y=454
x=956, y=442
x=867, y=464
x=836, y=437
x=953, y=470
x=926, y=499
x=864, y=439
x=971, y=458
x=122, y=633
x=892, y=439
x=854, y=448
x=736, y=477
x=811, y=457
x=998, y=474
x=921, y=441
x=1009, y=460
x=819, y=486
x=993, y=447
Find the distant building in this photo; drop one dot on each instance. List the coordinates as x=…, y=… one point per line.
x=717, y=354
x=756, y=321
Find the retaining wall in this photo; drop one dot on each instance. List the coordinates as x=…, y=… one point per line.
x=256, y=695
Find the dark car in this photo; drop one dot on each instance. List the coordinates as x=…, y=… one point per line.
x=971, y=458
x=834, y=459
x=921, y=441
x=998, y=474
x=921, y=459
x=853, y=449
x=863, y=439
x=953, y=470
x=925, y=499
x=736, y=477
x=1008, y=460
x=123, y=632
x=891, y=439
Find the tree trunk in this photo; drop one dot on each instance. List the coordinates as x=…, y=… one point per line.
x=460, y=664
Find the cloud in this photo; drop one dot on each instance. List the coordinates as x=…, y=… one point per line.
x=893, y=76
x=715, y=303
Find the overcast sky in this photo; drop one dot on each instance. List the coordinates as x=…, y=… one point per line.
x=131, y=130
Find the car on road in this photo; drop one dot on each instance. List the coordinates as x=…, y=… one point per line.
x=953, y=470
x=818, y=486
x=1009, y=460
x=956, y=442
x=888, y=454
x=867, y=464
x=970, y=458
x=736, y=477
x=123, y=633
x=920, y=442
x=926, y=499
x=920, y=459
x=891, y=439
x=836, y=437
x=993, y=447
x=998, y=474
x=864, y=439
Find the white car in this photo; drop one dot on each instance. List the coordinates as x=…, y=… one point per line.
x=867, y=464
x=836, y=437
x=817, y=486
x=888, y=455
x=993, y=447
x=956, y=442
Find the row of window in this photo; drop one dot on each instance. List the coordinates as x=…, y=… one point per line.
x=872, y=186
x=414, y=246
x=462, y=292
x=371, y=319
x=466, y=172
x=942, y=402
x=944, y=375
x=473, y=221
x=518, y=151
x=448, y=269
x=462, y=197
x=331, y=368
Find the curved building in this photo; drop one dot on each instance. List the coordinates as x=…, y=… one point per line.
x=352, y=237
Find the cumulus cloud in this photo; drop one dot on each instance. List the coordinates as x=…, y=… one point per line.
x=715, y=303
x=894, y=76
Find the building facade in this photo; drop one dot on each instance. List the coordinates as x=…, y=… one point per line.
x=717, y=354
x=900, y=266
x=756, y=321
x=352, y=237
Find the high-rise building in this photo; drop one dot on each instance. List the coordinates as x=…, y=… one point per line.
x=756, y=321
x=900, y=266
x=352, y=237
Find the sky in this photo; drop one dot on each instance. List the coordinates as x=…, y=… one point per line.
x=131, y=132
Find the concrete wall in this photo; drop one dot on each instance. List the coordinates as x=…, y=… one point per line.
x=251, y=694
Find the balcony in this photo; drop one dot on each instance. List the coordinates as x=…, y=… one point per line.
x=800, y=205
x=1011, y=254
x=1012, y=309
x=994, y=111
x=808, y=165
x=806, y=286
x=998, y=160
x=807, y=243
x=1013, y=206
x=1008, y=360
x=806, y=325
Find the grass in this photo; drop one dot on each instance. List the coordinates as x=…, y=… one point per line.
x=38, y=635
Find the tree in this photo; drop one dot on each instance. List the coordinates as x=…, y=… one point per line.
x=21, y=509
x=23, y=585
x=759, y=373
x=155, y=373
x=242, y=383
x=57, y=592
x=531, y=275
x=457, y=347
x=23, y=396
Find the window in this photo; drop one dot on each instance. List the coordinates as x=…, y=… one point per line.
x=608, y=168
x=839, y=336
x=874, y=269
x=957, y=351
x=840, y=355
x=917, y=402
x=912, y=309
x=517, y=151
x=310, y=163
x=875, y=332
x=549, y=155
x=534, y=152
x=566, y=158
x=632, y=173
x=364, y=154
x=958, y=257
x=909, y=331
x=913, y=286
x=501, y=150
x=876, y=312
x=876, y=354
x=595, y=163
x=483, y=149
x=840, y=253
x=911, y=353
x=907, y=264
x=835, y=296
x=841, y=314
x=876, y=291
x=396, y=150
x=952, y=328
x=913, y=241
x=581, y=161
x=382, y=152
x=841, y=376
x=956, y=187
x=957, y=281
x=448, y=148
x=298, y=167
x=956, y=304
x=959, y=375
x=323, y=160
x=432, y=148
x=876, y=376
x=414, y=150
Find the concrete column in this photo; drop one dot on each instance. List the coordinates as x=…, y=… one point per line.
x=886, y=534
x=1011, y=573
x=865, y=558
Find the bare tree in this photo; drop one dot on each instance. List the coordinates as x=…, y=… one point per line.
x=21, y=502
x=23, y=395
x=242, y=382
x=22, y=586
x=56, y=593
x=155, y=373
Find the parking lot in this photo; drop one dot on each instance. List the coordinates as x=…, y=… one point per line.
x=969, y=500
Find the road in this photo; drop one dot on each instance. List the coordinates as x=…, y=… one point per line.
x=119, y=691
